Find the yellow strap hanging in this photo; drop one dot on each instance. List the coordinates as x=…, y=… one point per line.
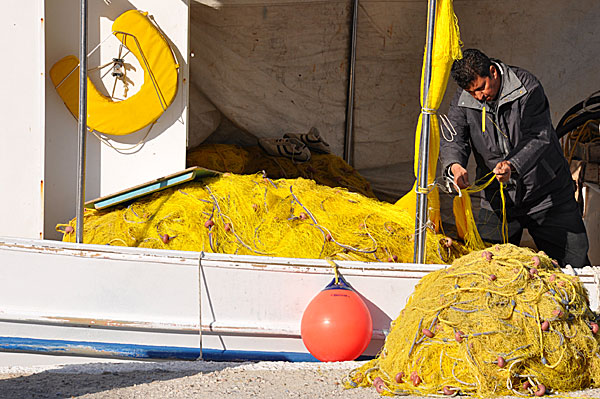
x=504, y=222
x=465, y=220
x=483, y=120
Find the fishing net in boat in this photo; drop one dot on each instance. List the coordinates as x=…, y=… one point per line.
x=500, y=321
x=326, y=169
x=255, y=215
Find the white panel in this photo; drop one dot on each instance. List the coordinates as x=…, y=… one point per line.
x=591, y=218
x=22, y=116
x=164, y=151
x=107, y=170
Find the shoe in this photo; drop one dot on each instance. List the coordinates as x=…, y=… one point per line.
x=287, y=147
x=312, y=139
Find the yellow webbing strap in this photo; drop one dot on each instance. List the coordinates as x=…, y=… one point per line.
x=135, y=30
x=465, y=220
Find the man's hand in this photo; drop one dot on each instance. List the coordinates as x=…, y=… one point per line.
x=502, y=171
x=461, y=177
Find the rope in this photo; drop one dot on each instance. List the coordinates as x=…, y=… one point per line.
x=448, y=125
x=463, y=213
x=124, y=150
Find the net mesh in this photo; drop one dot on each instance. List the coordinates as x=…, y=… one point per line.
x=500, y=321
x=326, y=169
x=256, y=215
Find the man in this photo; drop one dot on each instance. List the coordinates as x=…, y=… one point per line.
x=501, y=113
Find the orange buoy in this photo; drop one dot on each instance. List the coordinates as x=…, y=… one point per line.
x=336, y=325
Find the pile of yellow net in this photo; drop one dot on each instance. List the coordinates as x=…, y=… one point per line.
x=501, y=321
x=255, y=215
x=326, y=169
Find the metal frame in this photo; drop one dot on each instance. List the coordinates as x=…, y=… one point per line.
x=421, y=211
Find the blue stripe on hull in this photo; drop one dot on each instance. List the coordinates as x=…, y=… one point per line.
x=141, y=352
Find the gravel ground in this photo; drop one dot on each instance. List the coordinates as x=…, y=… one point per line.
x=276, y=380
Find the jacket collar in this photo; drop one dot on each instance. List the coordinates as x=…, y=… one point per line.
x=511, y=89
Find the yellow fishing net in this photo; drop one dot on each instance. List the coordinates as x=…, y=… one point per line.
x=445, y=49
x=501, y=321
x=255, y=215
x=326, y=169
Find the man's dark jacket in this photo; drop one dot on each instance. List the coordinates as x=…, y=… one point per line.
x=518, y=129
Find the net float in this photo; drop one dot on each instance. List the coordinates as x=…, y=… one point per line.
x=358, y=378
x=399, y=377
x=533, y=271
x=378, y=384
x=501, y=362
x=416, y=380
x=487, y=255
x=541, y=390
x=545, y=325
x=336, y=324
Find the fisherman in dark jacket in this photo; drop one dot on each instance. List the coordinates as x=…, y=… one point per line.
x=501, y=114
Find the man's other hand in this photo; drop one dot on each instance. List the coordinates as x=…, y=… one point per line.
x=461, y=177
x=502, y=171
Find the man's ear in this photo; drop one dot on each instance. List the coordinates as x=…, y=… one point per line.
x=493, y=71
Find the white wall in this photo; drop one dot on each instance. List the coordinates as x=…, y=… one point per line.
x=274, y=66
x=556, y=40
x=22, y=118
x=107, y=170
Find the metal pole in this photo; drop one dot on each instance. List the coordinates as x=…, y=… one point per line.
x=421, y=212
x=349, y=132
x=82, y=123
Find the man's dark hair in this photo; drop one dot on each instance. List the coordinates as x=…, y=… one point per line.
x=473, y=63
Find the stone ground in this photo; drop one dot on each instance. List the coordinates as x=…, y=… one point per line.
x=269, y=380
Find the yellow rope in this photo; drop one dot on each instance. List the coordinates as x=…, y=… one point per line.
x=465, y=220
x=583, y=134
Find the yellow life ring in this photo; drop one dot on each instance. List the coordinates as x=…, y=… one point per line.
x=135, y=30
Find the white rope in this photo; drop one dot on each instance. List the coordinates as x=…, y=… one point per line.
x=448, y=125
x=585, y=107
x=124, y=150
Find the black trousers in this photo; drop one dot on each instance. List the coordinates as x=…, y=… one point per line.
x=558, y=231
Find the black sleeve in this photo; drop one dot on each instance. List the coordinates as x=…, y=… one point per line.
x=536, y=130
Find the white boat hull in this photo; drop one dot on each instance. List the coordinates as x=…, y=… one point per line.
x=97, y=301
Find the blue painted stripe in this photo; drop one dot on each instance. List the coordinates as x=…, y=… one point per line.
x=161, y=185
x=141, y=352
